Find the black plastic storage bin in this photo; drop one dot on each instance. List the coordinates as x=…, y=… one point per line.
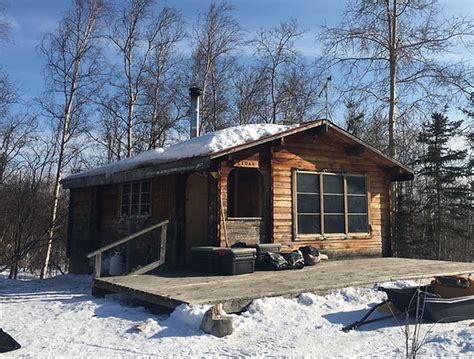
x=203, y=259
x=232, y=261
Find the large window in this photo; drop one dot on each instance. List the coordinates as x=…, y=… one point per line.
x=330, y=204
x=136, y=199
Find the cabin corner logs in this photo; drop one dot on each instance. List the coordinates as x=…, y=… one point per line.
x=95, y=218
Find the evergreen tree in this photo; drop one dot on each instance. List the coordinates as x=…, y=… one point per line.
x=444, y=172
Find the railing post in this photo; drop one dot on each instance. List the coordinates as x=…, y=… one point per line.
x=98, y=265
x=164, y=229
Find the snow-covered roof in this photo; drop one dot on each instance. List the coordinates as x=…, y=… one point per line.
x=197, y=153
x=205, y=145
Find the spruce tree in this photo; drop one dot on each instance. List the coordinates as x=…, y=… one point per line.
x=444, y=172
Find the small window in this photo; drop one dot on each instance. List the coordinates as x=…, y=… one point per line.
x=342, y=197
x=136, y=199
x=244, y=194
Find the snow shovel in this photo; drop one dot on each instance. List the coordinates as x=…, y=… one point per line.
x=7, y=343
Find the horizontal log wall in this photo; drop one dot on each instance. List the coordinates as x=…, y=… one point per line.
x=93, y=229
x=325, y=153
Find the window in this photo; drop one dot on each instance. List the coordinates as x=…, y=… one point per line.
x=244, y=193
x=308, y=204
x=357, y=205
x=136, y=199
x=330, y=204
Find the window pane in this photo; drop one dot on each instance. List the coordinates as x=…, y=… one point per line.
x=134, y=210
x=356, y=185
x=356, y=204
x=145, y=198
x=333, y=184
x=135, y=198
x=308, y=203
x=307, y=182
x=126, y=188
x=125, y=210
x=144, y=209
x=358, y=223
x=136, y=188
x=333, y=204
x=334, y=224
x=309, y=224
x=145, y=186
x=125, y=198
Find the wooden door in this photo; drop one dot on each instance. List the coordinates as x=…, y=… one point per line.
x=196, y=212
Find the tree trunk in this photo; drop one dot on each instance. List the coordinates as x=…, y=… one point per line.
x=57, y=184
x=13, y=271
x=130, y=128
x=59, y=170
x=392, y=18
x=273, y=89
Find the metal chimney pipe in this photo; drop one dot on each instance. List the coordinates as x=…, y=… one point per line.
x=195, y=93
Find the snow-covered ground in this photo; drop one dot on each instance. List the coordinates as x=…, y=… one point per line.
x=58, y=317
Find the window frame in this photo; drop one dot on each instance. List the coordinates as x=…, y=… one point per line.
x=322, y=235
x=139, y=204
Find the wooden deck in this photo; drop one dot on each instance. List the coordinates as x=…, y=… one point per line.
x=235, y=292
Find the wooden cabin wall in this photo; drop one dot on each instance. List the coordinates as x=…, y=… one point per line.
x=95, y=221
x=238, y=229
x=115, y=227
x=322, y=153
x=79, y=229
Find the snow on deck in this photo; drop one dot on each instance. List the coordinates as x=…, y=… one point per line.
x=58, y=317
x=195, y=147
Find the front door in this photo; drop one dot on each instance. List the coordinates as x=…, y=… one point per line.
x=196, y=212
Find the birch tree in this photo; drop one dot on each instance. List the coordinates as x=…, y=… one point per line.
x=135, y=32
x=71, y=54
x=400, y=54
x=216, y=38
x=277, y=61
x=164, y=105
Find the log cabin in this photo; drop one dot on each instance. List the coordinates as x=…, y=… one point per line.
x=310, y=184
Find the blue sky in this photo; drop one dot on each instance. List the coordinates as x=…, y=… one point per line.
x=30, y=19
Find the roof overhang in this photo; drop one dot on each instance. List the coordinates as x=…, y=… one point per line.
x=140, y=173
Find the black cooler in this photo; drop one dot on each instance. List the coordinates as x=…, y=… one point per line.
x=232, y=261
x=203, y=259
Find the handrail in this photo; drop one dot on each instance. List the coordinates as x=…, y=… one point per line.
x=126, y=239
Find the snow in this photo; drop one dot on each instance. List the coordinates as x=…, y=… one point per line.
x=58, y=317
x=195, y=147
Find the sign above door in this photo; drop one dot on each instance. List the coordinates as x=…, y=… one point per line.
x=247, y=163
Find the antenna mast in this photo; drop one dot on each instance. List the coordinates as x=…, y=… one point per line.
x=325, y=89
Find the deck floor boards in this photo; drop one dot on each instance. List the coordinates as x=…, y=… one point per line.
x=174, y=288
